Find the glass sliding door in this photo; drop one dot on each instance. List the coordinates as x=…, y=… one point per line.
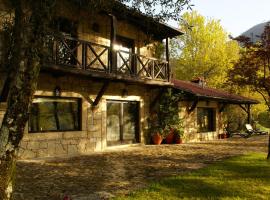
x=122, y=122
x=113, y=121
x=130, y=120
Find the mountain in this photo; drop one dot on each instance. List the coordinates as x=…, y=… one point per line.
x=255, y=32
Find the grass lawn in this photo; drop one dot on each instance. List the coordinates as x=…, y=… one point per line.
x=243, y=177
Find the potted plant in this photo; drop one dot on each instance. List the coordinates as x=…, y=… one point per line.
x=178, y=135
x=157, y=137
x=169, y=114
x=155, y=130
x=170, y=135
x=165, y=120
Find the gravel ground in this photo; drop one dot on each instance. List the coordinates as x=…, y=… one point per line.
x=113, y=172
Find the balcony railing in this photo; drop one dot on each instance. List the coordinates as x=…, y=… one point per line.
x=84, y=55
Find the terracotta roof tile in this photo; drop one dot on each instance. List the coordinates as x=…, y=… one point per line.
x=210, y=93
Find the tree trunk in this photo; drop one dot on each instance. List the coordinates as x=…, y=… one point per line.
x=268, y=156
x=7, y=175
x=29, y=30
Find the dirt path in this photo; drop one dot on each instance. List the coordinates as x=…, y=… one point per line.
x=103, y=175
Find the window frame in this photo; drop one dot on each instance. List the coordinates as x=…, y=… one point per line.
x=121, y=124
x=79, y=101
x=211, y=120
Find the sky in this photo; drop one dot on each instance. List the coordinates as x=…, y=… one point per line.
x=236, y=16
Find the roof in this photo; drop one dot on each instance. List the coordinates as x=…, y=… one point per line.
x=203, y=92
x=146, y=23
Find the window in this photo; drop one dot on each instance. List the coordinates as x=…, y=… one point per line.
x=55, y=114
x=66, y=26
x=206, y=120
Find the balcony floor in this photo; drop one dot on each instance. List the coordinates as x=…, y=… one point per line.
x=63, y=70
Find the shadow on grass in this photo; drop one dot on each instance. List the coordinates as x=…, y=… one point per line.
x=121, y=172
x=245, y=177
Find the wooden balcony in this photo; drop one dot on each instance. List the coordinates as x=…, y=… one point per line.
x=87, y=58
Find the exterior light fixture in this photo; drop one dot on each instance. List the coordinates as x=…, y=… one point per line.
x=57, y=91
x=124, y=93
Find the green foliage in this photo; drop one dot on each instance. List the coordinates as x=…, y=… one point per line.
x=158, y=50
x=154, y=125
x=243, y=177
x=166, y=117
x=234, y=119
x=264, y=119
x=253, y=68
x=204, y=50
x=169, y=111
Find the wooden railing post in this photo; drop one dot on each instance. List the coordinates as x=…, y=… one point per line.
x=153, y=70
x=134, y=64
x=84, y=56
x=113, y=55
x=168, y=60
x=56, y=50
x=249, y=114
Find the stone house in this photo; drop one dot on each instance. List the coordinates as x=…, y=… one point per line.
x=202, y=109
x=98, y=85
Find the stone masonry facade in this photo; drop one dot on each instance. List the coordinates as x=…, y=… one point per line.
x=92, y=136
x=191, y=133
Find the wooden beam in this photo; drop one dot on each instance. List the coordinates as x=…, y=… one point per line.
x=113, y=56
x=245, y=109
x=101, y=93
x=221, y=109
x=88, y=99
x=249, y=114
x=113, y=77
x=193, y=106
x=168, y=59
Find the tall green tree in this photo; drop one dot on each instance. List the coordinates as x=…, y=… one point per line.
x=28, y=35
x=205, y=50
x=253, y=68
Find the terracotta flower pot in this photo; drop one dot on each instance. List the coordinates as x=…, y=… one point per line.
x=222, y=136
x=178, y=140
x=157, y=139
x=170, y=137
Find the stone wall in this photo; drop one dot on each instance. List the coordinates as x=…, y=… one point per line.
x=191, y=133
x=123, y=28
x=93, y=135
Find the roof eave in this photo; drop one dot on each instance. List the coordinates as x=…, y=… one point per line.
x=230, y=101
x=225, y=100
